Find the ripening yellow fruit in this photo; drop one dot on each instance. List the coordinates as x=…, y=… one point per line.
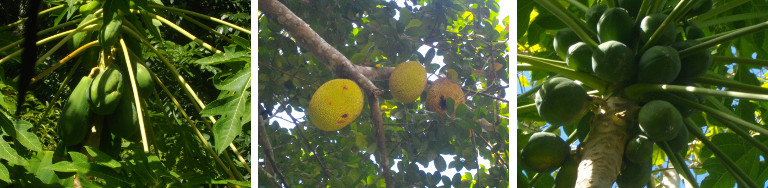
x=440, y=91
x=407, y=81
x=335, y=104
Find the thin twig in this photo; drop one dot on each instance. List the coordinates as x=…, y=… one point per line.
x=268, y=152
x=300, y=129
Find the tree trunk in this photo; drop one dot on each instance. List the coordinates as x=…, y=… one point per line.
x=604, y=148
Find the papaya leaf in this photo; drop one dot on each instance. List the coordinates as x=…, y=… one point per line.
x=235, y=82
x=37, y=164
x=4, y=175
x=24, y=137
x=242, y=42
x=102, y=158
x=230, y=55
x=235, y=111
x=63, y=166
x=9, y=154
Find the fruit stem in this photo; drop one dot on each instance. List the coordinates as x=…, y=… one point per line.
x=720, y=9
x=69, y=34
x=679, y=163
x=64, y=60
x=578, y=27
x=715, y=113
x=135, y=93
x=179, y=29
x=529, y=92
x=635, y=91
x=547, y=65
x=722, y=81
x=680, y=9
x=724, y=38
x=152, y=5
x=735, y=170
x=526, y=108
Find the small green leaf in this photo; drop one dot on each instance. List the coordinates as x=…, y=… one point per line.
x=235, y=112
x=63, y=166
x=230, y=55
x=102, y=158
x=4, y=175
x=27, y=139
x=413, y=23
x=8, y=153
x=236, y=82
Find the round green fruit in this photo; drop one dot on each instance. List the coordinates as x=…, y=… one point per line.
x=124, y=121
x=680, y=142
x=615, y=24
x=75, y=119
x=407, y=81
x=335, y=104
x=566, y=176
x=106, y=90
x=561, y=101
x=564, y=38
x=579, y=57
x=593, y=14
x=658, y=65
x=639, y=149
x=650, y=24
x=693, y=32
x=544, y=152
x=634, y=175
x=614, y=62
x=660, y=120
x=144, y=80
x=632, y=6
x=694, y=65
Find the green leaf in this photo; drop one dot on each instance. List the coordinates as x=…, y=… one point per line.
x=37, y=166
x=440, y=163
x=63, y=166
x=235, y=111
x=102, y=158
x=4, y=174
x=413, y=23
x=230, y=55
x=236, y=82
x=9, y=154
x=25, y=138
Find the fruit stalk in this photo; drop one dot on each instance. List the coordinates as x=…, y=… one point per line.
x=602, y=153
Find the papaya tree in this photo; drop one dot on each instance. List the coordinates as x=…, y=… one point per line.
x=125, y=93
x=421, y=86
x=645, y=93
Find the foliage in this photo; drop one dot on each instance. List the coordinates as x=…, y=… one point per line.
x=181, y=142
x=468, y=37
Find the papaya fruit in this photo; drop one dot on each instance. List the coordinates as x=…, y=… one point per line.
x=680, y=142
x=110, y=30
x=74, y=123
x=566, y=176
x=564, y=38
x=632, y=6
x=561, y=101
x=693, y=32
x=660, y=120
x=650, y=24
x=106, y=90
x=615, y=24
x=638, y=149
x=593, y=14
x=634, y=175
x=614, y=62
x=658, y=65
x=144, y=80
x=544, y=153
x=699, y=8
x=110, y=144
x=694, y=65
x=124, y=121
x=579, y=57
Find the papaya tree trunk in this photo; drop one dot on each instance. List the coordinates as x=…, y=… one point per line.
x=604, y=147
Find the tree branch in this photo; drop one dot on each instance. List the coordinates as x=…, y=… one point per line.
x=309, y=39
x=300, y=129
x=380, y=139
x=268, y=152
x=269, y=176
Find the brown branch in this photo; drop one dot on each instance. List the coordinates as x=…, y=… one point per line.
x=309, y=39
x=485, y=95
x=380, y=139
x=269, y=176
x=268, y=152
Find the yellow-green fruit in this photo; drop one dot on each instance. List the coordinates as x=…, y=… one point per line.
x=440, y=91
x=335, y=104
x=76, y=115
x=144, y=79
x=407, y=81
x=106, y=90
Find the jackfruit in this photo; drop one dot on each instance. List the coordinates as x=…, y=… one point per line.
x=440, y=91
x=335, y=104
x=407, y=81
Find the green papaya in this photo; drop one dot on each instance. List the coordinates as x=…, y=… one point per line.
x=561, y=101
x=634, y=175
x=566, y=176
x=693, y=32
x=680, y=142
x=658, y=65
x=124, y=121
x=660, y=120
x=650, y=24
x=632, y=6
x=144, y=80
x=615, y=24
x=638, y=149
x=110, y=144
x=106, y=90
x=593, y=14
x=110, y=30
x=579, y=57
x=694, y=65
x=564, y=38
x=75, y=119
x=544, y=153
x=89, y=7
x=614, y=62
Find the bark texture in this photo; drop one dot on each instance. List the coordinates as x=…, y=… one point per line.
x=604, y=147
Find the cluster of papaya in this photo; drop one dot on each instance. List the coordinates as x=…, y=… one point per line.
x=630, y=50
x=106, y=94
